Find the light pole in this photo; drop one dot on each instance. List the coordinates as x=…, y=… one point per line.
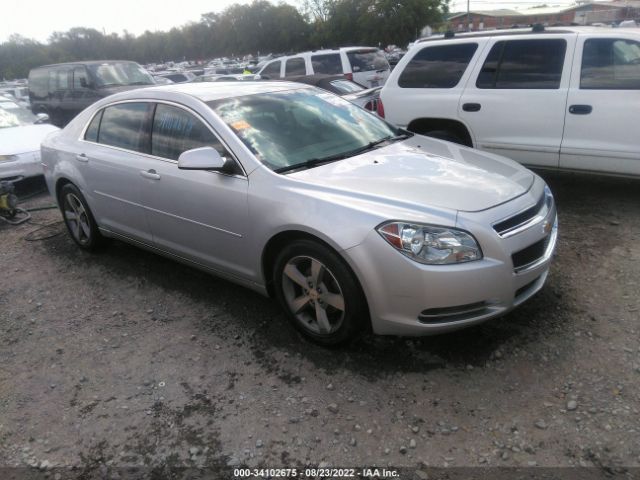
x=468, y=16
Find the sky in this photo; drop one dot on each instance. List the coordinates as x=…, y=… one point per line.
x=39, y=18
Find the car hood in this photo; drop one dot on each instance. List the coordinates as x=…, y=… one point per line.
x=23, y=139
x=424, y=171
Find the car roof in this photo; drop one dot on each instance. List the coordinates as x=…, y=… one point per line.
x=88, y=62
x=209, y=91
x=574, y=30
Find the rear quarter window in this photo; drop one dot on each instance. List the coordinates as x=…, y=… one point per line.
x=438, y=66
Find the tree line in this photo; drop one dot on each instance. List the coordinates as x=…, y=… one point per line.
x=257, y=28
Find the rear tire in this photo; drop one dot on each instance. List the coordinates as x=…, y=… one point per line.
x=319, y=293
x=79, y=220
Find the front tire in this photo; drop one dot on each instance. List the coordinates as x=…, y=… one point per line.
x=319, y=293
x=79, y=219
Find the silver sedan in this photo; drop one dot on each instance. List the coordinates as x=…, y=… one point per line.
x=294, y=192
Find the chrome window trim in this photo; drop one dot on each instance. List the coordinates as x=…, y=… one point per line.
x=154, y=157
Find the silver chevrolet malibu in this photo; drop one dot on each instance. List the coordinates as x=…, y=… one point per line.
x=293, y=192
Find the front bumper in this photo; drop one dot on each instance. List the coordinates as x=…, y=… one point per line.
x=26, y=165
x=409, y=298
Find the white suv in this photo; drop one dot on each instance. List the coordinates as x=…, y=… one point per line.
x=564, y=98
x=364, y=65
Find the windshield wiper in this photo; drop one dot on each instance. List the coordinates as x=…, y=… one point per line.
x=314, y=162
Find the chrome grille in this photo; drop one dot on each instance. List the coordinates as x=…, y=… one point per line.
x=524, y=219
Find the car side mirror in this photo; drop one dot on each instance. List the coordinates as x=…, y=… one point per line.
x=42, y=118
x=204, y=158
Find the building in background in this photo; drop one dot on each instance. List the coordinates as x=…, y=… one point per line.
x=584, y=13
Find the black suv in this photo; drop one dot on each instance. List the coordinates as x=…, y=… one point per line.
x=63, y=90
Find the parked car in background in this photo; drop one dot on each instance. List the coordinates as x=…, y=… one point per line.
x=21, y=133
x=162, y=80
x=368, y=98
x=366, y=66
x=20, y=93
x=295, y=192
x=176, y=77
x=64, y=90
x=224, y=70
x=551, y=98
x=227, y=78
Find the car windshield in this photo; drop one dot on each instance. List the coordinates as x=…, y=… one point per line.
x=367, y=60
x=301, y=128
x=13, y=115
x=120, y=73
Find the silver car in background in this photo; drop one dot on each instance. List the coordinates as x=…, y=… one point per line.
x=294, y=192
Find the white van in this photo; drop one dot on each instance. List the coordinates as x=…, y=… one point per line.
x=364, y=65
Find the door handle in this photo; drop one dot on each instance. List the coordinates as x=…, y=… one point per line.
x=471, y=107
x=150, y=174
x=81, y=157
x=580, y=109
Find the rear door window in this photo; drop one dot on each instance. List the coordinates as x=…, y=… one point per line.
x=328, y=64
x=610, y=64
x=125, y=126
x=295, y=66
x=437, y=67
x=524, y=64
x=175, y=131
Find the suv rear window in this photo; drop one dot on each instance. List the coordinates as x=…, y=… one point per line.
x=437, y=67
x=524, y=64
x=367, y=60
x=610, y=64
x=329, y=64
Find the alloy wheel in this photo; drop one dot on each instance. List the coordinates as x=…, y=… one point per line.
x=313, y=295
x=76, y=216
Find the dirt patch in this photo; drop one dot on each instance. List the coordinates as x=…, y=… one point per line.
x=127, y=359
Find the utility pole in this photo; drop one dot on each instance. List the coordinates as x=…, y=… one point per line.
x=468, y=15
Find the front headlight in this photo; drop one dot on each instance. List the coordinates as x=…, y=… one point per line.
x=431, y=245
x=8, y=158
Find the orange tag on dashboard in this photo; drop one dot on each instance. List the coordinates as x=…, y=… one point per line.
x=240, y=125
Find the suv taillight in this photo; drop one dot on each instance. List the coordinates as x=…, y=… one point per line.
x=349, y=76
x=380, y=108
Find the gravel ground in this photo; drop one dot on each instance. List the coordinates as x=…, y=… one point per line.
x=125, y=358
